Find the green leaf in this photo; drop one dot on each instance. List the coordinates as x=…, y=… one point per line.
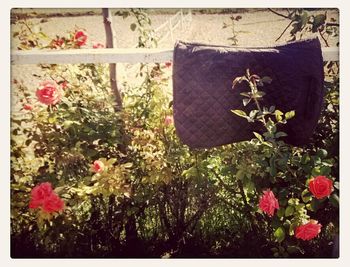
x=305, y=159
x=253, y=113
x=258, y=136
x=259, y=94
x=293, y=249
x=246, y=101
x=325, y=170
x=245, y=94
x=274, y=249
x=287, y=224
x=273, y=170
x=293, y=201
x=306, y=196
x=240, y=174
x=127, y=165
x=334, y=200
x=315, y=204
x=279, y=234
x=318, y=21
x=278, y=115
x=240, y=113
x=290, y=115
x=280, y=212
x=52, y=119
x=316, y=171
x=322, y=153
x=336, y=185
x=133, y=26
x=280, y=134
x=125, y=14
x=266, y=79
x=289, y=211
x=110, y=162
x=267, y=144
x=250, y=186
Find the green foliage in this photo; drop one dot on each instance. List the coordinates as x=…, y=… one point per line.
x=233, y=39
x=155, y=196
x=302, y=22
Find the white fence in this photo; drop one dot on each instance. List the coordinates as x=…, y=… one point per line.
x=170, y=25
x=119, y=55
x=114, y=55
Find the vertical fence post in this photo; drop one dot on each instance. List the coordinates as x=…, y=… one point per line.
x=171, y=30
x=107, y=20
x=182, y=19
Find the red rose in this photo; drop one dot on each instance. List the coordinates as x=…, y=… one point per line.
x=98, y=166
x=39, y=193
x=64, y=85
x=168, y=64
x=27, y=107
x=53, y=203
x=268, y=203
x=168, y=120
x=321, y=186
x=42, y=196
x=80, y=38
x=48, y=93
x=308, y=231
x=58, y=42
x=97, y=45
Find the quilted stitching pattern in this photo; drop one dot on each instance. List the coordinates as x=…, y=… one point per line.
x=203, y=97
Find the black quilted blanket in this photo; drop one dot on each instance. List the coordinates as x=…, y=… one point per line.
x=204, y=98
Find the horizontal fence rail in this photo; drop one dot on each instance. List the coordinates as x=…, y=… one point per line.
x=114, y=55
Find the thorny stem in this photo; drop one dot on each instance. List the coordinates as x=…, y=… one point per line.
x=254, y=89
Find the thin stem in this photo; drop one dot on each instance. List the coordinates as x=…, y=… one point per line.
x=223, y=184
x=279, y=14
x=284, y=30
x=324, y=39
x=25, y=23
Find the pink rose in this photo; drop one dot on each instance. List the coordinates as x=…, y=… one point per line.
x=98, y=166
x=321, y=186
x=64, y=85
x=42, y=196
x=168, y=120
x=97, y=45
x=80, y=38
x=268, y=203
x=39, y=193
x=47, y=93
x=53, y=203
x=308, y=231
x=27, y=107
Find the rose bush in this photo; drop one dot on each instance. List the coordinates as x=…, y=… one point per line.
x=125, y=186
